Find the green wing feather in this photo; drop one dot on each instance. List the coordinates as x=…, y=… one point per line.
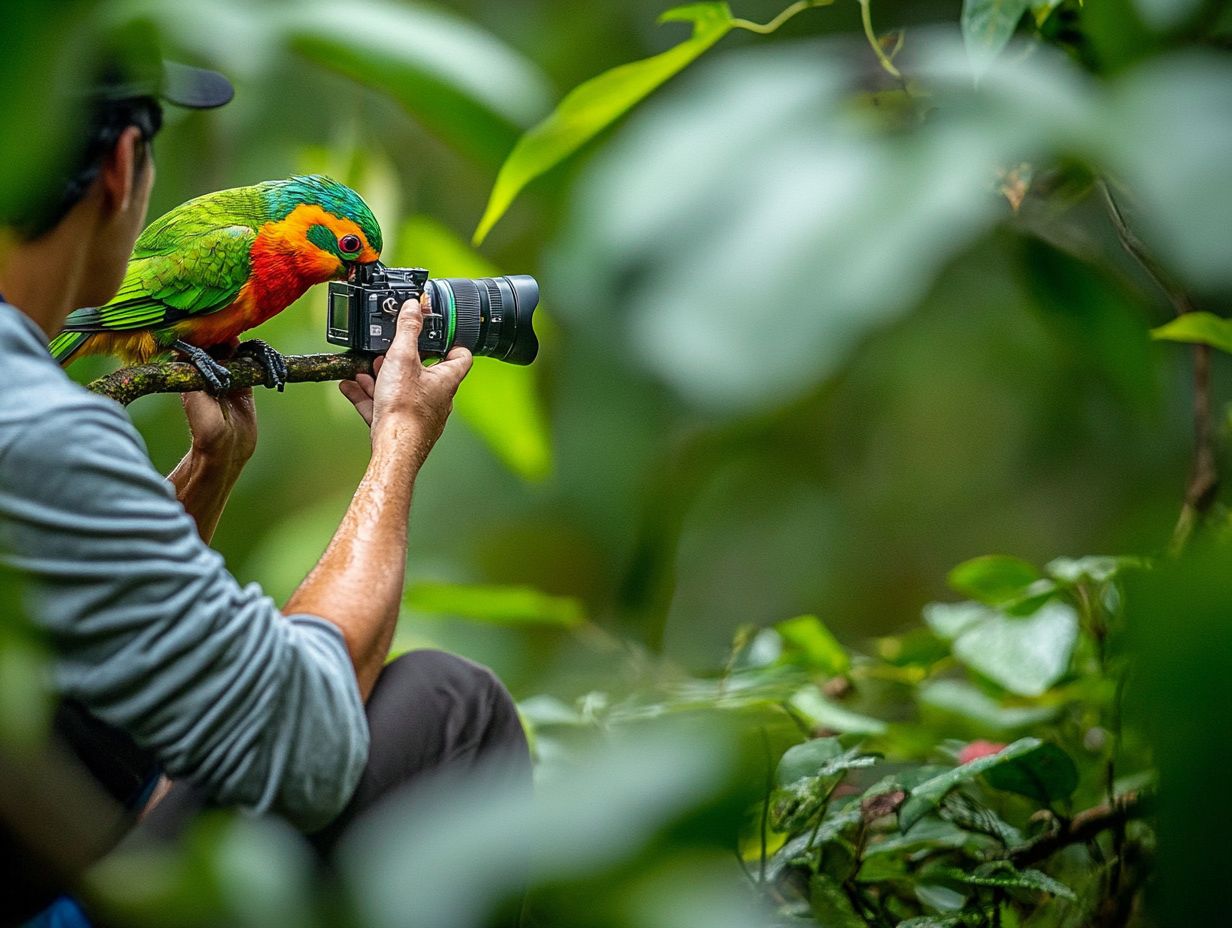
x=191, y=261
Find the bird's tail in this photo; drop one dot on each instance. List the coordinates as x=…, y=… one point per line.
x=66, y=344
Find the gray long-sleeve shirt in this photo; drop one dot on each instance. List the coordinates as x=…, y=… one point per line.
x=149, y=630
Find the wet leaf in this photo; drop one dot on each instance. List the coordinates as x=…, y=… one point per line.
x=925, y=797
x=1024, y=654
x=1047, y=774
x=831, y=905
x=805, y=760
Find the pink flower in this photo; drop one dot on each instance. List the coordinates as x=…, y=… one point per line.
x=977, y=749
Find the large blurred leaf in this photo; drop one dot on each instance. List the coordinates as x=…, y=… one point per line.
x=498, y=605
x=47, y=48
x=462, y=81
x=596, y=104
x=1199, y=329
x=744, y=265
x=987, y=25
x=442, y=856
x=1024, y=654
x=1168, y=142
x=976, y=713
x=498, y=400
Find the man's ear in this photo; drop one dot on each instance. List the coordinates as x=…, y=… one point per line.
x=119, y=175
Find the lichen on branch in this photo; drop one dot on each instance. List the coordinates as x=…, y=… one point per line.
x=130, y=383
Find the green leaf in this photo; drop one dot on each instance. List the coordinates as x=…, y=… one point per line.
x=942, y=921
x=1165, y=14
x=932, y=834
x=1047, y=774
x=497, y=605
x=464, y=83
x=498, y=400
x=591, y=107
x=925, y=797
x=993, y=578
x=830, y=904
x=816, y=645
x=805, y=760
x=958, y=700
x=987, y=25
x=1042, y=9
x=824, y=714
x=1026, y=655
x=1004, y=874
x=1198, y=329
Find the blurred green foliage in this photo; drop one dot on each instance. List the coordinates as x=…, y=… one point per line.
x=829, y=311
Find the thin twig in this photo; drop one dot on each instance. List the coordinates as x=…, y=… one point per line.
x=766, y=28
x=130, y=383
x=1083, y=827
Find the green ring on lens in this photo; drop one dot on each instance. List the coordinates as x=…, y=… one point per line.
x=451, y=318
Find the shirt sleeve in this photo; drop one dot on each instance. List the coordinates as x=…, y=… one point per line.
x=154, y=636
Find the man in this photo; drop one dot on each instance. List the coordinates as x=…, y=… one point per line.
x=163, y=663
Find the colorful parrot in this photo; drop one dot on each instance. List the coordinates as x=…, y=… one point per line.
x=222, y=264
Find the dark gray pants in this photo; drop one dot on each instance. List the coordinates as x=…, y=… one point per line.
x=429, y=713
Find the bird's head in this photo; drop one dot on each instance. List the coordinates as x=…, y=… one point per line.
x=327, y=226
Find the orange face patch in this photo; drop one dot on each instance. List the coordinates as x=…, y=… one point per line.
x=291, y=237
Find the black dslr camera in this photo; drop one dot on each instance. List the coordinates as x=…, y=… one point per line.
x=490, y=316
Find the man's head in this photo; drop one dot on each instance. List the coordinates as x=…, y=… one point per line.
x=97, y=201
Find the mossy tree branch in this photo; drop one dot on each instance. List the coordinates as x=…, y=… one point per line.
x=130, y=383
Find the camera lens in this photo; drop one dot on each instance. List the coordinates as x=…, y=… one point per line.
x=490, y=316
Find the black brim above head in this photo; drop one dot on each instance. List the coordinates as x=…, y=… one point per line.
x=195, y=88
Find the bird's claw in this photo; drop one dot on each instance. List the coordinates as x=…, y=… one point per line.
x=217, y=377
x=271, y=361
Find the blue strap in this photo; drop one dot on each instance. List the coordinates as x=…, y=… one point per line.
x=63, y=913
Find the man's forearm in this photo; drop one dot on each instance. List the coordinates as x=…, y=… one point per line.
x=203, y=485
x=358, y=582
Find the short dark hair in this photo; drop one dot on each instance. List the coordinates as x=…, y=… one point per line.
x=105, y=122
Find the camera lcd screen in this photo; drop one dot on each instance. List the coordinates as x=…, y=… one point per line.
x=339, y=312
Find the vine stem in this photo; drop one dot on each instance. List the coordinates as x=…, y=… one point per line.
x=1203, y=474
x=766, y=28
x=131, y=383
x=866, y=17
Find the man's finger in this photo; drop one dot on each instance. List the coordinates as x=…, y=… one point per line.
x=455, y=367
x=410, y=322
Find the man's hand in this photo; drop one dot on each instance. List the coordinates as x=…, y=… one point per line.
x=224, y=429
x=408, y=401
x=224, y=436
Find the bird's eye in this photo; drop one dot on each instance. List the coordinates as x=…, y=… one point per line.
x=349, y=244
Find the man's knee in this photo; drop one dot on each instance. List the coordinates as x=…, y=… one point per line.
x=475, y=705
x=447, y=673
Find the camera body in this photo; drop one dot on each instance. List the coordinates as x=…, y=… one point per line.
x=491, y=317
x=363, y=311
